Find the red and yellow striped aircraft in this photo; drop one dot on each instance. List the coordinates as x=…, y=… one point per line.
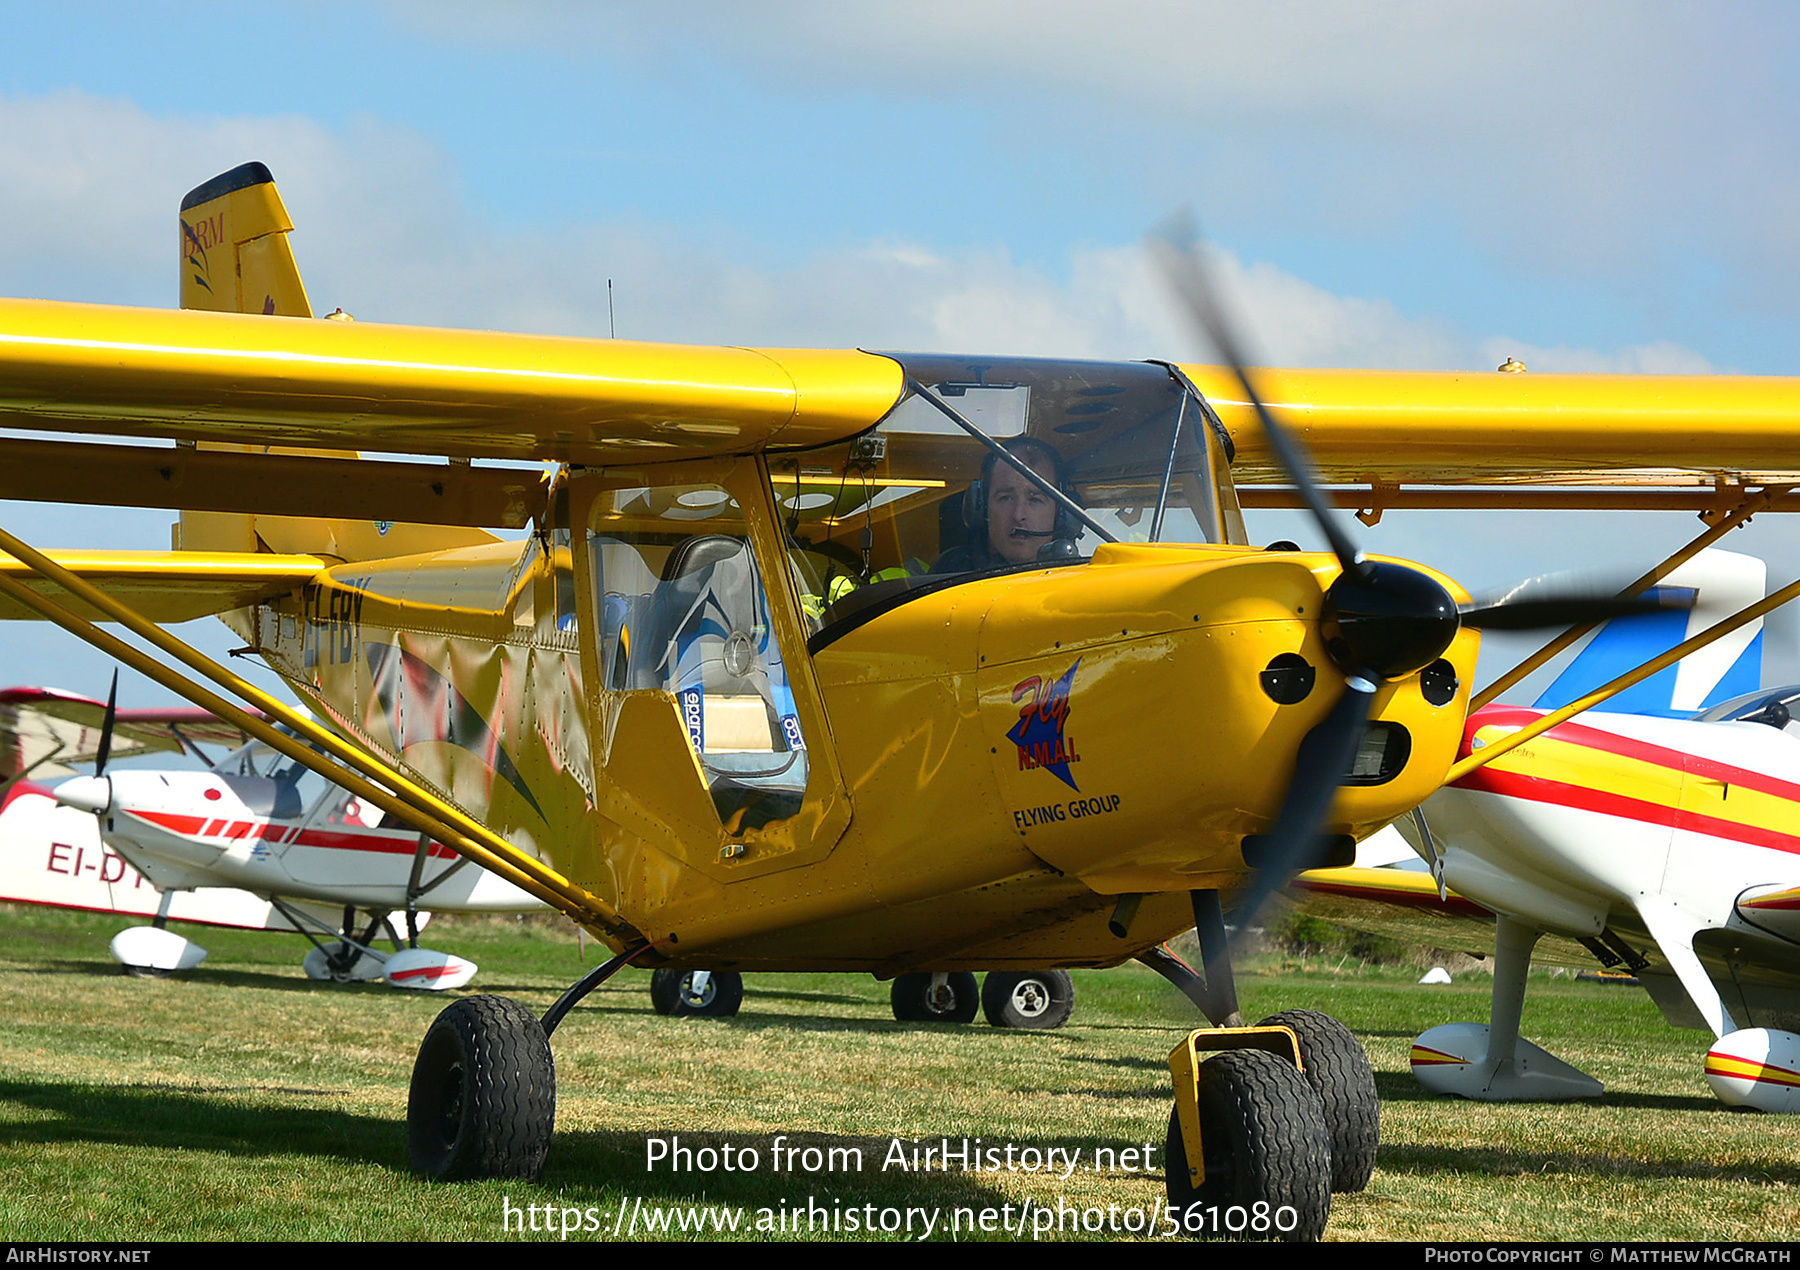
x=710, y=699
x=1664, y=840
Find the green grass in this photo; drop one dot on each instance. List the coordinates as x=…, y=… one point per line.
x=243, y=1102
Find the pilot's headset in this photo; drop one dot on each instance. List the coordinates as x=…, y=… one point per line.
x=1032, y=453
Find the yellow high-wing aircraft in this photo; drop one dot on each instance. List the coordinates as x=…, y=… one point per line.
x=718, y=707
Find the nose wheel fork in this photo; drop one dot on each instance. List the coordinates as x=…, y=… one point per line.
x=1280, y=1116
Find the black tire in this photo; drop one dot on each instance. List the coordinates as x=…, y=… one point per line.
x=1268, y=1160
x=723, y=997
x=483, y=1100
x=1036, y=999
x=1337, y=1067
x=914, y=1003
x=664, y=984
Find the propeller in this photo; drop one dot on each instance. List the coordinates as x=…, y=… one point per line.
x=1559, y=600
x=106, y=727
x=1380, y=621
x=94, y=793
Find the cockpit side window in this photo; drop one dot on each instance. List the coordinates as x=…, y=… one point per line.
x=685, y=611
x=272, y=784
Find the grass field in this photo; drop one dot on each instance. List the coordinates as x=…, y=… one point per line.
x=243, y=1102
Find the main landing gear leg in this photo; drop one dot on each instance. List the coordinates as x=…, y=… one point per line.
x=346, y=959
x=1281, y=1116
x=1494, y=1063
x=483, y=1100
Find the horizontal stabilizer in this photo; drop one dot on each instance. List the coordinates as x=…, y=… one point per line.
x=168, y=586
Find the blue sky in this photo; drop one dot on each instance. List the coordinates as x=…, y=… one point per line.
x=1603, y=186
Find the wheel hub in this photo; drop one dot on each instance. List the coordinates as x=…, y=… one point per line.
x=701, y=999
x=1030, y=998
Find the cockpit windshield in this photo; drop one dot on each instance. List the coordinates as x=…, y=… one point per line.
x=1094, y=451
x=271, y=782
x=1777, y=707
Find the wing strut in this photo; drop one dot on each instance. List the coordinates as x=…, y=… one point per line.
x=352, y=767
x=1748, y=507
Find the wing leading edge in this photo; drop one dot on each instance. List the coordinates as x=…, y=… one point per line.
x=252, y=379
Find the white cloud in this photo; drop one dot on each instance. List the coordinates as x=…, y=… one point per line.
x=1660, y=358
x=383, y=231
x=91, y=186
x=1589, y=140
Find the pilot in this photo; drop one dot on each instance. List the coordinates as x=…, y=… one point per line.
x=1010, y=520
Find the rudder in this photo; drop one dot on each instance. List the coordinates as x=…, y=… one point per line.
x=235, y=256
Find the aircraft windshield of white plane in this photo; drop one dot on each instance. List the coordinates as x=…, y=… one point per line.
x=1777, y=707
x=270, y=783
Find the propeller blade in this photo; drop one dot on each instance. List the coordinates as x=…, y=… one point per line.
x=1324, y=756
x=1571, y=609
x=106, y=727
x=1176, y=246
x=1320, y=765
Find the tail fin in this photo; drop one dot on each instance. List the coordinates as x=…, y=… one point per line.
x=235, y=256
x=1722, y=583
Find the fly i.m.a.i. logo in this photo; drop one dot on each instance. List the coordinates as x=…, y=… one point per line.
x=1042, y=730
x=193, y=252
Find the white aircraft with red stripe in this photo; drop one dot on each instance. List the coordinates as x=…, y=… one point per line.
x=53, y=855
x=1669, y=847
x=1665, y=842
x=264, y=824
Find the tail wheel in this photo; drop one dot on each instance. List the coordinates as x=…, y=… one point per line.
x=955, y=1000
x=1337, y=1068
x=671, y=993
x=1040, y=999
x=1268, y=1160
x=483, y=1100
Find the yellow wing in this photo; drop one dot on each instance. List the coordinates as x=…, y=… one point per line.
x=475, y=394
x=1421, y=427
x=227, y=377
x=1403, y=904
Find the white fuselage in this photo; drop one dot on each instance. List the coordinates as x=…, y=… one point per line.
x=1695, y=813
x=187, y=829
